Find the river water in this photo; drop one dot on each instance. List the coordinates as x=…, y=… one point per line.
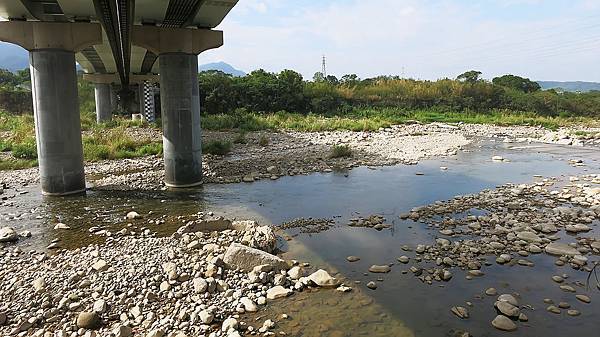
x=402, y=305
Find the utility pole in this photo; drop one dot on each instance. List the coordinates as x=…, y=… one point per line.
x=324, y=70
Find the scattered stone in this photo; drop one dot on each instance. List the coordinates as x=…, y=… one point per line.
x=61, y=225
x=133, y=215
x=372, y=285
x=352, y=258
x=504, y=323
x=380, y=269
x=100, y=266
x=323, y=279
x=553, y=309
x=491, y=292
x=8, y=234
x=460, y=312
x=403, y=259
x=88, y=320
x=583, y=298
x=278, y=292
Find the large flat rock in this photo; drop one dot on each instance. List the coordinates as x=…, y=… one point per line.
x=559, y=249
x=246, y=258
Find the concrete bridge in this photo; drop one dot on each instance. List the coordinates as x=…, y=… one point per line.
x=118, y=43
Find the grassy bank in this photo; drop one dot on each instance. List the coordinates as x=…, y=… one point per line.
x=373, y=119
x=112, y=141
x=100, y=141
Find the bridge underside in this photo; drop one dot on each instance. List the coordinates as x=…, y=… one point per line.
x=119, y=44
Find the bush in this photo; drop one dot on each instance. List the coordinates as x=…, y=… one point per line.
x=263, y=141
x=217, y=147
x=24, y=151
x=240, y=138
x=340, y=151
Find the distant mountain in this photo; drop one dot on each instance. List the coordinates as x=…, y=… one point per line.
x=570, y=86
x=13, y=57
x=222, y=66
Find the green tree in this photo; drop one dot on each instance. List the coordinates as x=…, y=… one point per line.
x=517, y=83
x=471, y=76
x=318, y=77
x=7, y=78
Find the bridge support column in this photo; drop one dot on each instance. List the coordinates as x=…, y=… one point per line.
x=104, y=105
x=180, y=107
x=57, y=121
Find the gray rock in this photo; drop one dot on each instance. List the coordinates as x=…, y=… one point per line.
x=508, y=298
x=246, y=258
x=8, y=234
x=230, y=323
x=460, y=312
x=61, y=225
x=88, y=320
x=504, y=323
x=200, y=285
x=380, y=269
x=39, y=285
x=132, y=215
x=248, y=304
x=206, y=316
x=553, y=309
x=491, y=292
x=372, y=285
x=353, y=258
x=559, y=249
x=122, y=331
x=323, y=279
x=403, y=259
x=278, y=292
x=507, y=309
x=583, y=298
x=100, y=265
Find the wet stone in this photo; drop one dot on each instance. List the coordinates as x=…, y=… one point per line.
x=564, y=305
x=380, y=269
x=460, y=312
x=553, y=309
x=353, y=258
x=583, y=298
x=504, y=323
x=491, y=292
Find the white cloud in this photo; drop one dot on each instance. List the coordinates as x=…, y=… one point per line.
x=428, y=39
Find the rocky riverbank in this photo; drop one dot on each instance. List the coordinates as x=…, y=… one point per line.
x=550, y=218
x=196, y=282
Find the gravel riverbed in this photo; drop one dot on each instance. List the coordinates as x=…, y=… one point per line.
x=197, y=282
x=294, y=153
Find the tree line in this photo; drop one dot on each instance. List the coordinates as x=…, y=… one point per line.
x=265, y=92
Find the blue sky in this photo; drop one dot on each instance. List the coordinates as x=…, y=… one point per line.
x=428, y=39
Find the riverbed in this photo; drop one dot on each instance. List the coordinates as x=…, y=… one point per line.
x=401, y=305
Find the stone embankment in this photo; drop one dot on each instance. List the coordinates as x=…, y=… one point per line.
x=197, y=282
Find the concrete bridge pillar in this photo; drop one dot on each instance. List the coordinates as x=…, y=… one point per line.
x=57, y=121
x=52, y=47
x=178, y=50
x=180, y=107
x=104, y=105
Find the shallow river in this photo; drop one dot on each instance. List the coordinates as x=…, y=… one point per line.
x=401, y=305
